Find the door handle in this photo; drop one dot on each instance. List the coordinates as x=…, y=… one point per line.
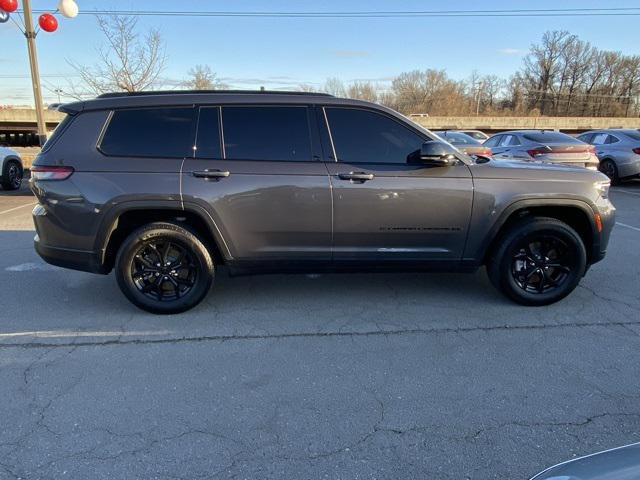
x=359, y=177
x=210, y=174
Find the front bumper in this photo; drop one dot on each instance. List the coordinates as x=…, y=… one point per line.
x=607, y=213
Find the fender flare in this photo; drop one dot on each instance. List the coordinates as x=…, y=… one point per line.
x=110, y=222
x=491, y=236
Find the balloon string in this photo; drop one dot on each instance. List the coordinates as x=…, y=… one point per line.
x=17, y=24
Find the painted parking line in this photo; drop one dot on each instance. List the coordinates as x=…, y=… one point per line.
x=18, y=207
x=628, y=226
x=635, y=194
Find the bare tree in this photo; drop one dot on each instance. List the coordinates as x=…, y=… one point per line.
x=201, y=77
x=128, y=62
x=363, y=91
x=335, y=87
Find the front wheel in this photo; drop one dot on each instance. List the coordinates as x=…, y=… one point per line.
x=164, y=268
x=538, y=261
x=12, y=175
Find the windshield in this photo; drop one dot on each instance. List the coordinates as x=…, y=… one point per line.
x=458, y=138
x=550, y=137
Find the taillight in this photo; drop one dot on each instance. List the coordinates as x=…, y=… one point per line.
x=591, y=149
x=536, y=152
x=51, y=172
x=636, y=151
x=487, y=152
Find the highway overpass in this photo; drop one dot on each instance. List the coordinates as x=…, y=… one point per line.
x=18, y=126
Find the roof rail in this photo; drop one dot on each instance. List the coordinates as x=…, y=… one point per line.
x=208, y=92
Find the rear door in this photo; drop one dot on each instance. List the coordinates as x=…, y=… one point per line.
x=258, y=171
x=386, y=208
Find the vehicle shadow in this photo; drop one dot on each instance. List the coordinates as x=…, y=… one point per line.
x=50, y=302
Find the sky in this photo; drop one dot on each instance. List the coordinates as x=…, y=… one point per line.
x=287, y=52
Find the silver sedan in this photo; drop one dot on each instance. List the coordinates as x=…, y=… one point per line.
x=621, y=463
x=618, y=151
x=542, y=146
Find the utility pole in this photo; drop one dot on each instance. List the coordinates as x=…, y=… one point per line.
x=30, y=34
x=480, y=86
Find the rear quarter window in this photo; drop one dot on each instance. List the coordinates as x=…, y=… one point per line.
x=57, y=133
x=150, y=132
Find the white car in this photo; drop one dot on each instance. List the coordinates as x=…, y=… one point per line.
x=11, y=170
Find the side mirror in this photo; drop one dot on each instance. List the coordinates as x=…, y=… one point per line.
x=437, y=154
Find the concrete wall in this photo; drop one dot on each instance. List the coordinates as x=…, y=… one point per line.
x=497, y=124
x=23, y=121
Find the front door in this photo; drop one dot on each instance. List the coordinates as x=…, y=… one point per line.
x=385, y=206
x=257, y=170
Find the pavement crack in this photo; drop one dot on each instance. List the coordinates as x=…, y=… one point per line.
x=295, y=335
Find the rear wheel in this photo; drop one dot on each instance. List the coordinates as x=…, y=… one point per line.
x=538, y=261
x=12, y=175
x=609, y=168
x=164, y=268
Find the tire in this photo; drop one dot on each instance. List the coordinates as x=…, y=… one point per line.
x=164, y=281
x=535, y=252
x=610, y=169
x=12, y=175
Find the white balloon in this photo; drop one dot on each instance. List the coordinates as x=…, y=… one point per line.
x=68, y=8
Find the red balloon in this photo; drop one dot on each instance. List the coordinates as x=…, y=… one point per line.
x=9, y=5
x=48, y=22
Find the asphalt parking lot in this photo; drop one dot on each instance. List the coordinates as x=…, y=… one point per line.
x=331, y=376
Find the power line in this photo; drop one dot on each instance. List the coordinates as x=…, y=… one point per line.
x=559, y=12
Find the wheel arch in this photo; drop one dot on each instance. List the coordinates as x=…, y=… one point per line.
x=126, y=217
x=577, y=214
x=9, y=158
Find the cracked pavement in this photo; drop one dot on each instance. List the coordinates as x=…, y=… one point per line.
x=331, y=376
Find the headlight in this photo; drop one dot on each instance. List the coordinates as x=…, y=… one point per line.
x=603, y=188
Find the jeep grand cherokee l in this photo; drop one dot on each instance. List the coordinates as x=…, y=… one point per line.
x=164, y=187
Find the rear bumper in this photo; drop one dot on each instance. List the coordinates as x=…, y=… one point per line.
x=67, y=258
x=630, y=169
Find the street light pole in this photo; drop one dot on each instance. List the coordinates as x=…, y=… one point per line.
x=30, y=34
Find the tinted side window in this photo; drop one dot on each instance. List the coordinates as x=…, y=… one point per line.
x=150, y=132
x=515, y=141
x=363, y=136
x=208, y=134
x=586, y=138
x=612, y=139
x=599, y=139
x=506, y=140
x=493, y=141
x=266, y=133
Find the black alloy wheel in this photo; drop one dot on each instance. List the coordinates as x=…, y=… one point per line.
x=12, y=176
x=537, y=261
x=542, y=263
x=164, y=268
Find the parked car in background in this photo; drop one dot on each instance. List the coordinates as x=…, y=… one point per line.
x=163, y=187
x=11, y=170
x=543, y=146
x=464, y=143
x=622, y=463
x=618, y=151
x=476, y=135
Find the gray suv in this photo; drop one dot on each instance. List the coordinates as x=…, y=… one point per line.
x=164, y=187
